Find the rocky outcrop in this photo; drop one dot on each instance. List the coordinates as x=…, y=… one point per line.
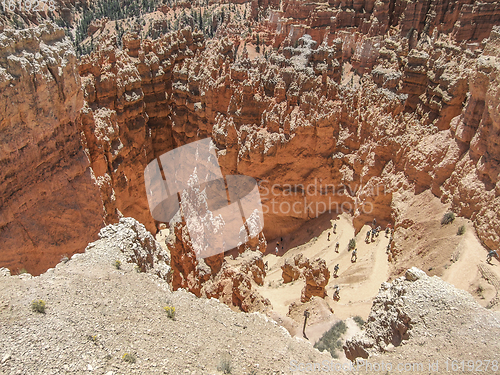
x=315, y=273
x=253, y=266
x=138, y=246
x=292, y=269
x=213, y=277
x=290, y=272
x=234, y=288
x=125, y=119
x=317, y=276
x=397, y=316
x=188, y=272
x=49, y=205
x=478, y=128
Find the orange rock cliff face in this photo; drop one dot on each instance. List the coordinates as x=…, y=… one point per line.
x=49, y=203
x=358, y=103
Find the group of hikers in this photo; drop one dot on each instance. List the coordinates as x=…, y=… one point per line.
x=277, y=248
x=372, y=233
x=370, y=237
x=334, y=231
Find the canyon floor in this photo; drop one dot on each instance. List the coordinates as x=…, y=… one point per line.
x=462, y=263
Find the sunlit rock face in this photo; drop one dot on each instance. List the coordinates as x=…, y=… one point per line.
x=352, y=104
x=49, y=203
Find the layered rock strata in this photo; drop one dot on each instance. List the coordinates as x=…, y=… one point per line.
x=49, y=203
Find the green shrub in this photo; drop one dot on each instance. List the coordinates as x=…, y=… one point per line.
x=21, y=271
x=225, y=365
x=38, y=305
x=92, y=338
x=359, y=321
x=352, y=244
x=461, y=230
x=170, y=310
x=117, y=264
x=330, y=340
x=448, y=218
x=64, y=258
x=130, y=358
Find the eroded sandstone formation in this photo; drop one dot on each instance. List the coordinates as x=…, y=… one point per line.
x=49, y=203
x=357, y=103
x=465, y=20
x=317, y=276
x=126, y=117
x=213, y=277
x=292, y=269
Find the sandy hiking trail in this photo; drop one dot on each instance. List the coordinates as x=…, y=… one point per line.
x=359, y=281
x=469, y=271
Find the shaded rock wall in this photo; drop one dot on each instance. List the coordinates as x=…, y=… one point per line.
x=126, y=119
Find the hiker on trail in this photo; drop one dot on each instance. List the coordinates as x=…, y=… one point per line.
x=367, y=238
x=334, y=228
x=490, y=255
x=373, y=234
x=374, y=222
x=354, y=255
x=336, y=270
x=277, y=248
x=388, y=248
x=328, y=236
x=377, y=231
x=387, y=231
x=337, y=245
x=282, y=244
x=336, y=293
x=266, y=265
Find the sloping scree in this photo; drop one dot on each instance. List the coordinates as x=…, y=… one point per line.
x=420, y=319
x=95, y=314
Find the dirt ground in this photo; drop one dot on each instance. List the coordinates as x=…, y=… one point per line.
x=359, y=282
x=438, y=250
x=457, y=259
